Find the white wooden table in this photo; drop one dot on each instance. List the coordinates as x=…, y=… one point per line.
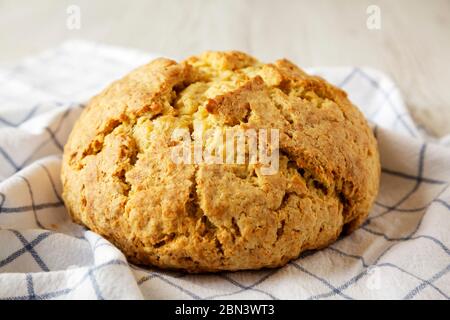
x=412, y=45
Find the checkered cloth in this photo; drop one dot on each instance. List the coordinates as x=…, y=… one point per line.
x=402, y=251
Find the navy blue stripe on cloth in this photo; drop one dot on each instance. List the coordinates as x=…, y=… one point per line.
x=51, y=181
x=356, y=278
x=245, y=288
x=97, y=290
x=30, y=248
x=17, y=124
x=171, y=283
x=386, y=95
x=412, y=177
x=61, y=292
x=30, y=287
x=33, y=206
x=325, y=282
x=13, y=256
x=366, y=265
x=52, y=137
x=411, y=192
x=426, y=283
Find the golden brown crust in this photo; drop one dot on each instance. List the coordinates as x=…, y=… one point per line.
x=119, y=179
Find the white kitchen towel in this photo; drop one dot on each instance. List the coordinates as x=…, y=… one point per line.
x=402, y=251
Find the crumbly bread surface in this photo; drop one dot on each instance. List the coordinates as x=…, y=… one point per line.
x=119, y=179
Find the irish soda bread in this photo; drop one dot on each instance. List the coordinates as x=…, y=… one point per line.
x=120, y=180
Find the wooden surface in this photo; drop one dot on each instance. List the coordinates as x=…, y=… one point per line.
x=413, y=44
